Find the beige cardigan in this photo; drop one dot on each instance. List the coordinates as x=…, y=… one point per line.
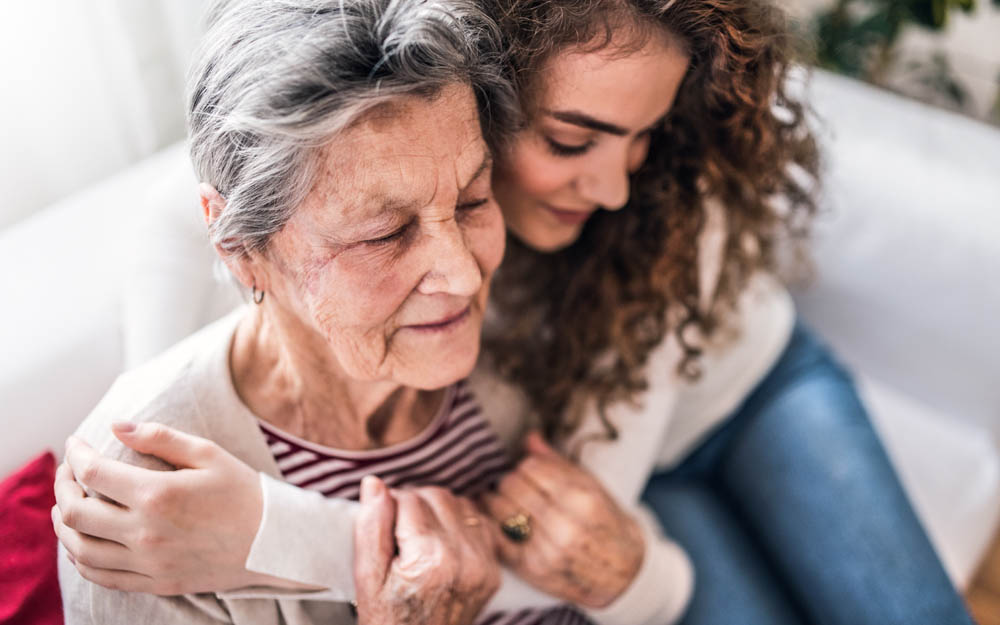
x=189, y=388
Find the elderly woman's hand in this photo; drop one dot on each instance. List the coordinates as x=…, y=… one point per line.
x=421, y=556
x=167, y=532
x=583, y=547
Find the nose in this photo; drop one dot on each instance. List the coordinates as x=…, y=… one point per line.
x=607, y=182
x=453, y=268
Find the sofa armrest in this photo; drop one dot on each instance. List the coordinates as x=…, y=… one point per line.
x=61, y=331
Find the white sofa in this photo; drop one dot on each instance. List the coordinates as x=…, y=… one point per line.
x=907, y=292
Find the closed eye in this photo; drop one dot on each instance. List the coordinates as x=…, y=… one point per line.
x=389, y=238
x=473, y=204
x=562, y=149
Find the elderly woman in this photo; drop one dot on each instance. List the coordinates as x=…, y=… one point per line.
x=321, y=134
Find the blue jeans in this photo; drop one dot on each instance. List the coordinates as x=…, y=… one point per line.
x=791, y=512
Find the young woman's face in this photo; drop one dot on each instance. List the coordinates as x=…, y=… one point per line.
x=588, y=132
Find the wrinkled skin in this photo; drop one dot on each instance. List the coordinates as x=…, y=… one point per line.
x=583, y=548
x=445, y=569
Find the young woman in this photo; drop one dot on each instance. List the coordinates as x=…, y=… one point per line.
x=639, y=323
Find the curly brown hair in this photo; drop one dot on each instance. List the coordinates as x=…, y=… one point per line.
x=583, y=321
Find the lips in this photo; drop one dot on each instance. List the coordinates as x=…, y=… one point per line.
x=445, y=323
x=569, y=217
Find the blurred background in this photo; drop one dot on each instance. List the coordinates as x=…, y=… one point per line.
x=92, y=86
x=945, y=52
x=907, y=289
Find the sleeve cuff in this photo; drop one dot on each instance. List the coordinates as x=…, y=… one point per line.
x=662, y=588
x=303, y=537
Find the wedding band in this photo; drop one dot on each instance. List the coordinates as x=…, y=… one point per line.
x=472, y=521
x=517, y=527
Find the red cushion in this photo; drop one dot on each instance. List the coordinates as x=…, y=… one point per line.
x=29, y=585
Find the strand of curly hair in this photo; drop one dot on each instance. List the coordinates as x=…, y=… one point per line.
x=584, y=320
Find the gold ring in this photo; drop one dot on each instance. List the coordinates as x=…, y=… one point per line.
x=517, y=527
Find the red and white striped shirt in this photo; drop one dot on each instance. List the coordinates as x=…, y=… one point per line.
x=458, y=451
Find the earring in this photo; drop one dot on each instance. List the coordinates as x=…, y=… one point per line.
x=253, y=294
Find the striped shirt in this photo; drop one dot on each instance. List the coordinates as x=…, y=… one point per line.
x=458, y=451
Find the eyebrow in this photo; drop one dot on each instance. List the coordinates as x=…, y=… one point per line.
x=586, y=121
x=487, y=161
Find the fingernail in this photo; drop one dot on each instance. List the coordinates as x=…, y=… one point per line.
x=123, y=427
x=367, y=487
x=372, y=487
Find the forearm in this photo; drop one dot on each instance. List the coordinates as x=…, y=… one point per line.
x=304, y=546
x=305, y=543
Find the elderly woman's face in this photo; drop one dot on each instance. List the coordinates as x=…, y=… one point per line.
x=387, y=263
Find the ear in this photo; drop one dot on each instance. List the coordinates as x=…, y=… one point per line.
x=239, y=263
x=212, y=202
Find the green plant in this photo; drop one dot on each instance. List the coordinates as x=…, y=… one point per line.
x=858, y=37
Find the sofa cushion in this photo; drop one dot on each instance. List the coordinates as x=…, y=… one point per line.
x=28, y=549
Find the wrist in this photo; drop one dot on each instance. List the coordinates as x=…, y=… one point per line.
x=633, y=549
x=637, y=541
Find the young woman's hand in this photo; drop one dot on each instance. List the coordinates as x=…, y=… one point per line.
x=163, y=532
x=421, y=556
x=582, y=548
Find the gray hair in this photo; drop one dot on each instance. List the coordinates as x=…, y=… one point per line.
x=277, y=79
